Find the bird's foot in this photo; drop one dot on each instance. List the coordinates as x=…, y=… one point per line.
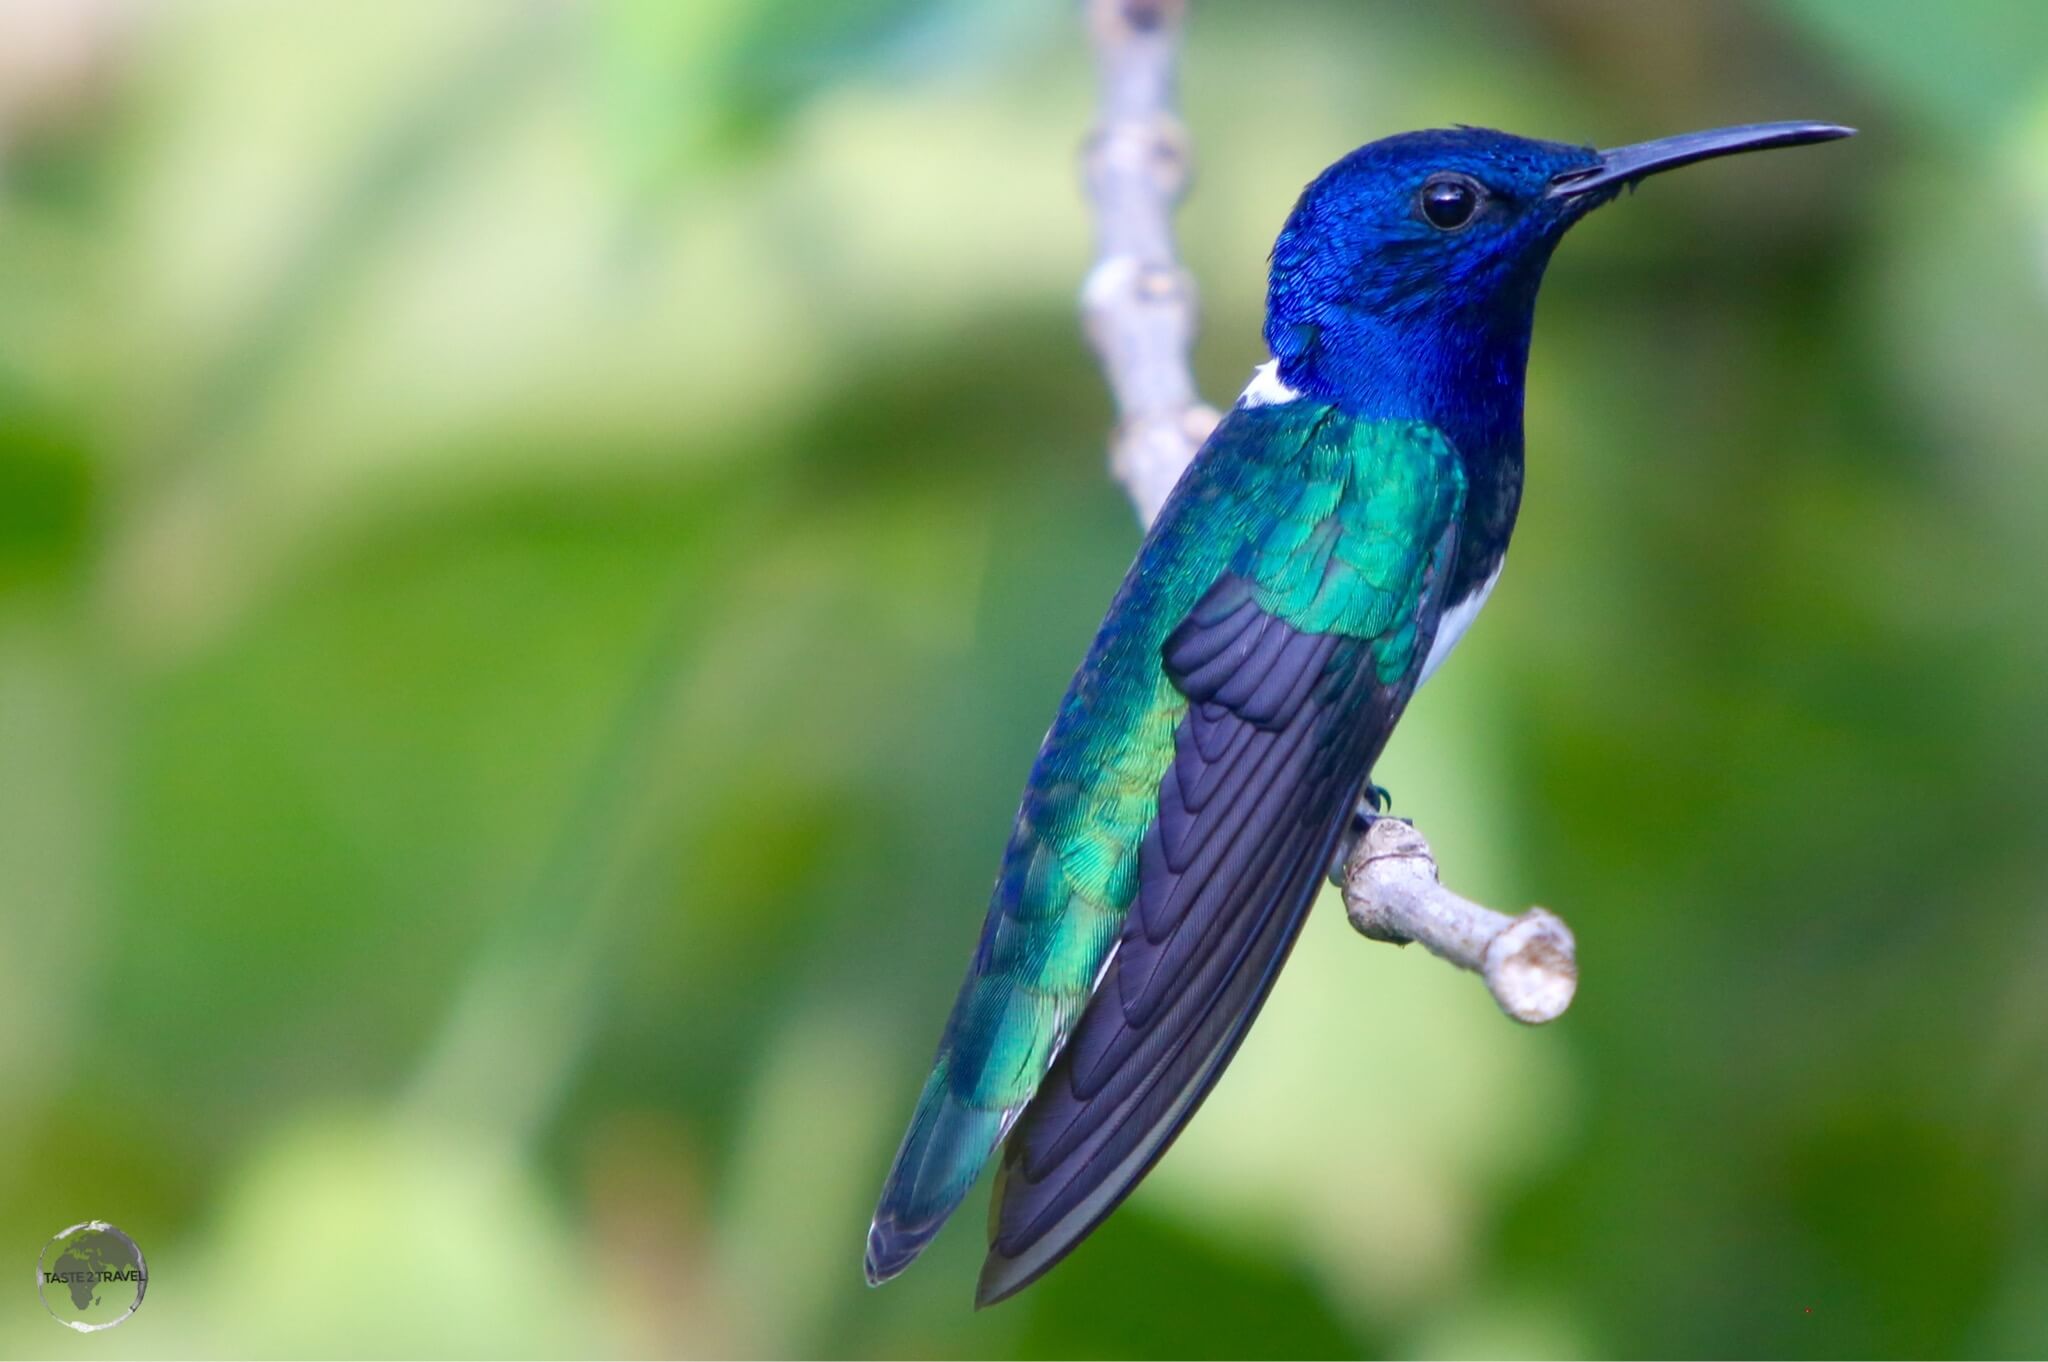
x=1374, y=803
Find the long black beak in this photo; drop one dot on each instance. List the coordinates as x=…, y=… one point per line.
x=1625, y=165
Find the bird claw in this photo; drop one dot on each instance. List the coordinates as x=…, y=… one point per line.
x=1374, y=803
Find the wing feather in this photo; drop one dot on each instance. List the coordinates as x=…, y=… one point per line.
x=1267, y=764
x=1177, y=823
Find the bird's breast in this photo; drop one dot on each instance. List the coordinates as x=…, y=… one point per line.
x=1457, y=617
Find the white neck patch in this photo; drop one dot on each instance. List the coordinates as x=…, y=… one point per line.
x=1266, y=388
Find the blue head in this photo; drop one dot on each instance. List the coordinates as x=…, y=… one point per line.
x=1404, y=283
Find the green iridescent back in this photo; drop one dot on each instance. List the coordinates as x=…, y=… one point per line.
x=1333, y=521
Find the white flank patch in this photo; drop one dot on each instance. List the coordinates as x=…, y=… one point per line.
x=1454, y=622
x=1266, y=389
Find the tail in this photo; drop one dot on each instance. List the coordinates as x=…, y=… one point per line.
x=1040, y=954
x=943, y=1152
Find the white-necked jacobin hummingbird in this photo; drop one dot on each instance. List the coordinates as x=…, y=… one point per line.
x=1318, y=560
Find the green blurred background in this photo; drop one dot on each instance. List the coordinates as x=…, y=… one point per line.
x=537, y=542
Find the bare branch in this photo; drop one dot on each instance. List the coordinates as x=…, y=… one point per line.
x=1391, y=893
x=1139, y=305
x=1139, y=302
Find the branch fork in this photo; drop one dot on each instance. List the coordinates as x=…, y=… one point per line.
x=1138, y=304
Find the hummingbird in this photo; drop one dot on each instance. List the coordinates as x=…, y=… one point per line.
x=1316, y=563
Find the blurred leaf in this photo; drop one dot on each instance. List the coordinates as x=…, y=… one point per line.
x=48, y=492
x=1974, y=66
x=467, y=1256
x=403, y=163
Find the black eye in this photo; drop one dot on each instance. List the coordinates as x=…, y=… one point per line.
x=1449, y=201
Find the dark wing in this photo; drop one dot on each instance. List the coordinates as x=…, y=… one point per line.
x=1281, y=731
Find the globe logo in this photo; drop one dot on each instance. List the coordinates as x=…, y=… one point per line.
x=91, y=1277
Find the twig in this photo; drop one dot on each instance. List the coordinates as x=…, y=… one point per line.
x=1391, y=893
x=1139, y=305
x=1139, y=301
